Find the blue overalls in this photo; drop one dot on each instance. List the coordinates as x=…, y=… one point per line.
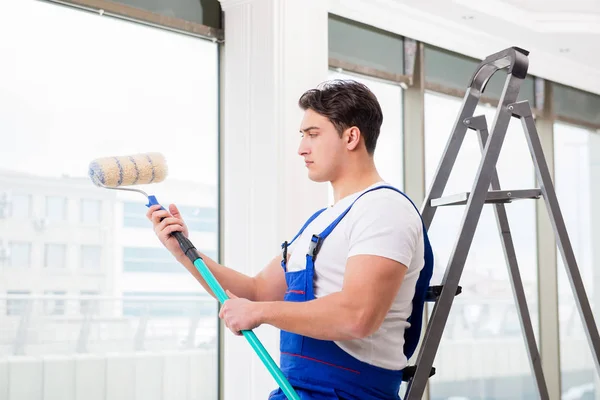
x=320, y=369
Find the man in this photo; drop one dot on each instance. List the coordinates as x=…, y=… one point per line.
x=348, y=290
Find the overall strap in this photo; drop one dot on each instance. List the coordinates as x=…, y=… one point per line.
x=317, y=240
x=413, y=332
x=285, y=244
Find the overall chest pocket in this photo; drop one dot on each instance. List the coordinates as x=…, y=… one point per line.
x=296, y=292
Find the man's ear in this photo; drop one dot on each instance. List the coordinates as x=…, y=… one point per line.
x=352, y=138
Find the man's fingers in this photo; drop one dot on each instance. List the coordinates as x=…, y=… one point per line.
x=158, y=215
x=171, y=228
x=151, y=211
x=168, y=222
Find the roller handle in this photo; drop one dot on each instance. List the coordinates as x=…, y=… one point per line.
x=185, y=244
x=190, y=251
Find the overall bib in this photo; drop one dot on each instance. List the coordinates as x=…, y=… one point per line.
x=320, y=369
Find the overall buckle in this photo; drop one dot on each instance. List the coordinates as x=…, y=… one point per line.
x=284, y=254
x=314, y=246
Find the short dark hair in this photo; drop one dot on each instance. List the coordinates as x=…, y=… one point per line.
x=347, y=103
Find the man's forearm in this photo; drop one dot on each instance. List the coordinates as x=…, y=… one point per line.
x=332, y=317
x=229, y=279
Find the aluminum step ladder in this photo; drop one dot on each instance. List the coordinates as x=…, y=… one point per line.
x=516, y=61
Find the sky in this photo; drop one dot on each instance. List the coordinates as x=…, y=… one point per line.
x=114, y=88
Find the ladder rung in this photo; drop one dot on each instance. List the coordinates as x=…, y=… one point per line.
x=434, y=292
x=493, y=196
x=409, y=372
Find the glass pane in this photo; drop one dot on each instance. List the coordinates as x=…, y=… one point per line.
x=56, y=208
x=90, y=211
x=359, y=44
x=482, y=353
x=127, y=89
x=56, y=256
x=19, y=254
x=21, y=206
x=15, y=304
x=54, y=304
x=205, y=12
x=91, y=257
x=576, y=173
x=574, y=103
x=389, y=152
x=454, y=71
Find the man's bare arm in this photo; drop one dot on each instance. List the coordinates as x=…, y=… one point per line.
x=358, y=310
x=268, y=285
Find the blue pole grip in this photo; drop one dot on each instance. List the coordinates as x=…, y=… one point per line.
x=214, y=285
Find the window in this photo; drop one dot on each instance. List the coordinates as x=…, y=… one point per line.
x=19, y=254
x=202, y=219
x=483, y=326
x=149, y=259
x=355, y=46
x=16, y=304
x=56, y=256
x=90, y=211
x=171, y=304
x=20, y=206
x=576, y=173
x=56, y=208
x=206, y=12
x=134, y=215
x=86, y=305
x=91, y=257
x=448, y=70
x=576, y=104
x=53, y=304
x=143, y=84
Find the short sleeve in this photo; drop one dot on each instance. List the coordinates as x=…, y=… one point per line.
x=386, y=225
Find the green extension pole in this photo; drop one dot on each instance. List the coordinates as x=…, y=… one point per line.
x=191, y=252
x=249, y=335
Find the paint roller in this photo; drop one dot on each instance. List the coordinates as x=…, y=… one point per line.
x=148, y=168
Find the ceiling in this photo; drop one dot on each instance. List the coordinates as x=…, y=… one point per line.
x=563, y=37
x=563, y=29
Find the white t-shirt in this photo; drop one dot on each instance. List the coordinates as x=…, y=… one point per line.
x=384, y=223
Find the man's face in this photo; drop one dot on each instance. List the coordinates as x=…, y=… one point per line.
x=321, y=147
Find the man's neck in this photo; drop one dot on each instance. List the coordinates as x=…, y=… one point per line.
x=355, y=181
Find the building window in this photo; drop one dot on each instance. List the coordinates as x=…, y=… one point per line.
x=54, y=305
x=19, y=254
x=154, y=259
x=88, y=306
x=20, y=206
x=90, y=211
x=56, y=256
x=134, y=215
x=178, y=304
x=201, y=219
x=141, y=259
x=17, y=306
x=91, y=257
x=56, y=208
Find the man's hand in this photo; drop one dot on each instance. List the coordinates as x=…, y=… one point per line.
x=240, y=314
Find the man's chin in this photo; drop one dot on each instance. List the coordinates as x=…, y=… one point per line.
x=317, y=178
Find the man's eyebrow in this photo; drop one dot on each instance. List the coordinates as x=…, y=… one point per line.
x=308, y=129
